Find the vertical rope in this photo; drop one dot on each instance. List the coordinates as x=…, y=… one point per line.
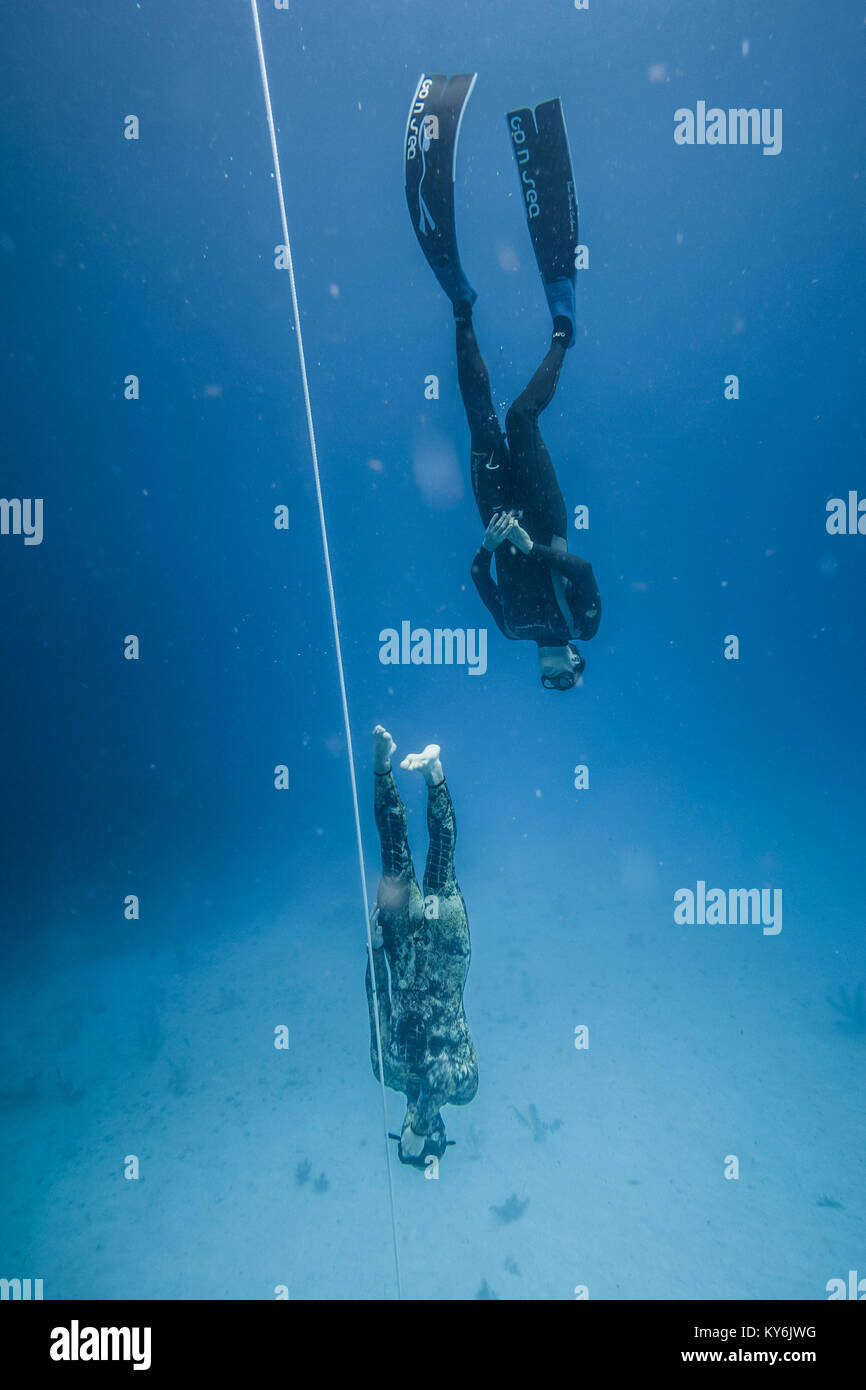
x=314, y=453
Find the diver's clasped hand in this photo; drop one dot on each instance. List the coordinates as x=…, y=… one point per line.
x=499, y=526
x=518, y=537
x=505, y=526
x=375, y=930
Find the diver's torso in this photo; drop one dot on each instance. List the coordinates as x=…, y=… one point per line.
x=421, y=1034
x=432, y=957
x=428, y=969
x=532, y=607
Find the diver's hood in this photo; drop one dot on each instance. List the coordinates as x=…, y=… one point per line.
x=434, y=1146
x=555, y=661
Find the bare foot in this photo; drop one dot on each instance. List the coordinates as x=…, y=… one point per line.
x=428, y=763
x=383, y=747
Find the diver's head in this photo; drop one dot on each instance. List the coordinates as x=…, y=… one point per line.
x=560, y=666
x=415, y=1149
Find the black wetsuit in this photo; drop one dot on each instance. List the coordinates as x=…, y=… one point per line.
x=427, y=1050
x=547, y=596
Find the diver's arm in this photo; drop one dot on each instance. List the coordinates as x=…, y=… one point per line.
x=383, y=991
x=572, y=566
x=584, y=599
x=487, y=589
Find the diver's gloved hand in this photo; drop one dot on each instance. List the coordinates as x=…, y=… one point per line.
x=519, y=537
x=376, y=930
x=497, y=530
x=411, y=1143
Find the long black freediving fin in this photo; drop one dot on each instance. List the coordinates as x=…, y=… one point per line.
x=540, y=143
x=430, y=155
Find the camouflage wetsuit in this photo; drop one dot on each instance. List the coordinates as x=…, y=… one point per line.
x=427, y=1050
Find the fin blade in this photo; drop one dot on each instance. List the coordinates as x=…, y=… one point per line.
x=542, y=155
x=429, y=158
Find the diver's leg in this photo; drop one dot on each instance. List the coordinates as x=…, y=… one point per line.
x=490, y=463
x=440, y=879
x=474, y=381
x=439, y=875
x=389, y=812
x=398, y=886
x=538, y=490
x=398, y=873
x=391, y=823
x=538, y=392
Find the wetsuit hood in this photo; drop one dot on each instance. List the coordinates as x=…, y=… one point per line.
x=554, y=660
x=556, y=663
x=435, y=1145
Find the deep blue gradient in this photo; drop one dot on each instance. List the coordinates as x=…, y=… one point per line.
x=155, y=777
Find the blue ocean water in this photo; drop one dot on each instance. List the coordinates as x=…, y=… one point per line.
x=708, y=1141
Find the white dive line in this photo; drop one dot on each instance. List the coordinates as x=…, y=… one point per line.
x=315, y=457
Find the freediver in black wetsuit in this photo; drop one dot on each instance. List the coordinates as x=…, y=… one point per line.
x=541, y=592
x=427, y=1049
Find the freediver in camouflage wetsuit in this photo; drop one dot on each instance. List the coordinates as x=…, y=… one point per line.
x=427, y=1050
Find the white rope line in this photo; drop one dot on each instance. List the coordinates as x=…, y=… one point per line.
x=327, y=554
